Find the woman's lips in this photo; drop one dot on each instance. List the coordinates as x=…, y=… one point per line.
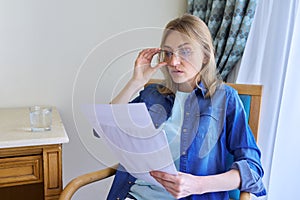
x=177, y=71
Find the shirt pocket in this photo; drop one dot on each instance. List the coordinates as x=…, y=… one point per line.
x=158, y=114
x=209, y=130
x=205, y=122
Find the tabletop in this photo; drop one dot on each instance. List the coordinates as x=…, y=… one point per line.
x=15, y=129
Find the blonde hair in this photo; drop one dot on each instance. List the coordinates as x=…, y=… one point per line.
x=197, y=31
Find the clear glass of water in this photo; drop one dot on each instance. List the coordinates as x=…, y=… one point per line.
x=40, y=118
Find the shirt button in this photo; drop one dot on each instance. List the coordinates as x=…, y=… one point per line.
x=118, y=198
x=183, y=153
x=187, y=113
x=129, y=182
x=184, y=130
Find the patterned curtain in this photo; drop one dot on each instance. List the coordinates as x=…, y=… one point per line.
x=229, y=22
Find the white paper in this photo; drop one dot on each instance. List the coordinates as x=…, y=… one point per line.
x=129, y=132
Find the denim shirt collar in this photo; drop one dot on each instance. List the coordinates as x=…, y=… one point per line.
x=201, y=89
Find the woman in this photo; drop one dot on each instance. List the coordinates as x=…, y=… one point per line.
x=204, y=121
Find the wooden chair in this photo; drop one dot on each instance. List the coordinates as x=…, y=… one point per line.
x=251, y=97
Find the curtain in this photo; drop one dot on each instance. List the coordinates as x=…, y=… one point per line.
x=229, y=22
x=271, y=58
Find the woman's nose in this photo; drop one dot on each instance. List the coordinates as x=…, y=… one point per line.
x=175, y=60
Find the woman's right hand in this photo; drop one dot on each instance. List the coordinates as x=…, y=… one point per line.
x=143, y=70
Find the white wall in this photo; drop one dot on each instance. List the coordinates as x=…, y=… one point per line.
x=44, y=44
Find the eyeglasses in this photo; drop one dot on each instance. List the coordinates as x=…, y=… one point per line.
x=182, y=53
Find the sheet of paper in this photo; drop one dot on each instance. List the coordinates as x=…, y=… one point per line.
x=130, y=134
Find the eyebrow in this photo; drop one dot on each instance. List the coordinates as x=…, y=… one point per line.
x=180, y=46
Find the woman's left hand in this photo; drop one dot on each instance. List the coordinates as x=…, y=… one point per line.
x=180, y=185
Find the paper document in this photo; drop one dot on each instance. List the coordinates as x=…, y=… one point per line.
x=129, y=132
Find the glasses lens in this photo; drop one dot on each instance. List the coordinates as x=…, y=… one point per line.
x=166, y=55
x=184, y=53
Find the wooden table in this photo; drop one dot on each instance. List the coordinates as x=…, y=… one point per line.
x=30, y=162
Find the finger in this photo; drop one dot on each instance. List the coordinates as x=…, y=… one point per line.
x=159, y=65
x=163, y=176
x=143, y=55
x=168, y=180
x=149, y=53
x=171, y=187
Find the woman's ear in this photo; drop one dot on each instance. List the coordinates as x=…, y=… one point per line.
x=205, y=59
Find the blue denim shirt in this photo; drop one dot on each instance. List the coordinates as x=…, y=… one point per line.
x=212, y=129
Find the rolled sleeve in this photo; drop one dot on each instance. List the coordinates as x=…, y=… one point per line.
x=251, y=181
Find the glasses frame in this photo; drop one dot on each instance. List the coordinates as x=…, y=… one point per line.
x=181, y=53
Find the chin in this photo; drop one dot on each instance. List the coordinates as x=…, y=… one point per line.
x=179, y=80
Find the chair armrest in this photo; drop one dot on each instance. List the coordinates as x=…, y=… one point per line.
x=85, y=179
x=88, y=178
x=245, y=196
